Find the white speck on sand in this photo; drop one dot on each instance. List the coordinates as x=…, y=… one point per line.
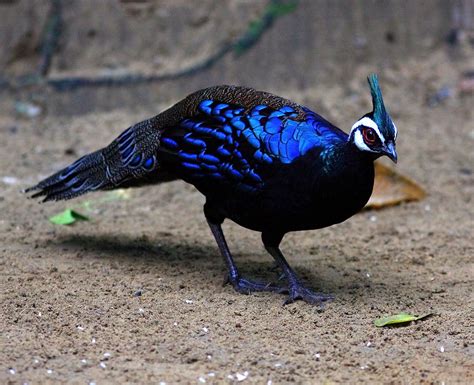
x=202, y=380
x=241, y=376
x=10, y=180
x=441, y=349
x=102, y=365
x=373, y=218
x=189, y=301
x=12, y=371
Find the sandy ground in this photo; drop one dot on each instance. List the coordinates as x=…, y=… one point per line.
x=68, y=309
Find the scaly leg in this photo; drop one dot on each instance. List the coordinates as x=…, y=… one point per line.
x=240, y=284
x=296, y=288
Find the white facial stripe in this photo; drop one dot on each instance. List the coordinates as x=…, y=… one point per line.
x=396, y=130
x=359, y=142
x=367, y=122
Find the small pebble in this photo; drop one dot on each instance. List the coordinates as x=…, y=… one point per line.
x=80, y=328
x=317, y=356
x=138, y=293
x=188, y=301
x=373, y=218
x=369, y=344
x=93, y=340
x=241, y=376
x=10, y=180
x=107, y=354
x=205, y=330
x=202, y=380
x=102, y=365
x=211, y=374
x=12, y=371
x=441, y=349
x=49, y=371
x=28, y=109
x=84, y=361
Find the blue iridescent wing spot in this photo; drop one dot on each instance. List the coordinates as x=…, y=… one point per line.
x=169, y=143
x=205, y=106
x=273, y=125
x=149, y=163
x=136, y=160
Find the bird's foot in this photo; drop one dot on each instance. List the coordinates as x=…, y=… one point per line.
x=245, y=286
x=298, y=291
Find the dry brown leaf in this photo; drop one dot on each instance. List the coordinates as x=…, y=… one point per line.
x=392, y=188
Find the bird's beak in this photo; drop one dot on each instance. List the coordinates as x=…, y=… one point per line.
x=391, y=151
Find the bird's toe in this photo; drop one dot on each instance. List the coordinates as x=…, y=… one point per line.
x=300, y=292
x=246, y=286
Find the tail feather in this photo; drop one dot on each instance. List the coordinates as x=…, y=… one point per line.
x=129, y=160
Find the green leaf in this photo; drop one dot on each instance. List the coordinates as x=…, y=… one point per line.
x=398, y=319
x=67, y=217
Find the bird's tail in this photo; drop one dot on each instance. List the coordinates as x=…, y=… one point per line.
x=128, y=161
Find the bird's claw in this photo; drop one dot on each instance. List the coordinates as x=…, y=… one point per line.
x=297, y=291
x=245, y=286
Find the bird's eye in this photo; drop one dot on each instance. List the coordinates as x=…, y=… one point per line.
x=369, y=135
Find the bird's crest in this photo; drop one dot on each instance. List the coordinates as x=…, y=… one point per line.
x=379, y=113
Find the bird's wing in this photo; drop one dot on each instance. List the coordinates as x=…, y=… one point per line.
x=229, y=143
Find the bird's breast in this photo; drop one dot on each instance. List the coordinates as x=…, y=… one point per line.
x=304, y=198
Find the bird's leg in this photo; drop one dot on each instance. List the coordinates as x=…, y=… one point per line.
x=240, y=284
x=296, y=289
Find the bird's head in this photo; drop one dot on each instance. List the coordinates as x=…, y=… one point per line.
x=375, y=132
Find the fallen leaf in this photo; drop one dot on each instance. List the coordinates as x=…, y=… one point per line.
x=392, y=188
x=67, y=217
x=398, y=319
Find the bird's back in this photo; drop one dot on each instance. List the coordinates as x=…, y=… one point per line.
x=226, y=140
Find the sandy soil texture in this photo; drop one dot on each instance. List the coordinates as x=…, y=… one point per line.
x=70, y=311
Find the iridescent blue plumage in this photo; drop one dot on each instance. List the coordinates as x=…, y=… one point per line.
x=262, y=161
x=228, y=142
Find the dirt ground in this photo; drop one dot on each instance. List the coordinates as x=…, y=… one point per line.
x=70, y=310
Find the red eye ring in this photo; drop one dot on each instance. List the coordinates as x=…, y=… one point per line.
x=369, y=135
